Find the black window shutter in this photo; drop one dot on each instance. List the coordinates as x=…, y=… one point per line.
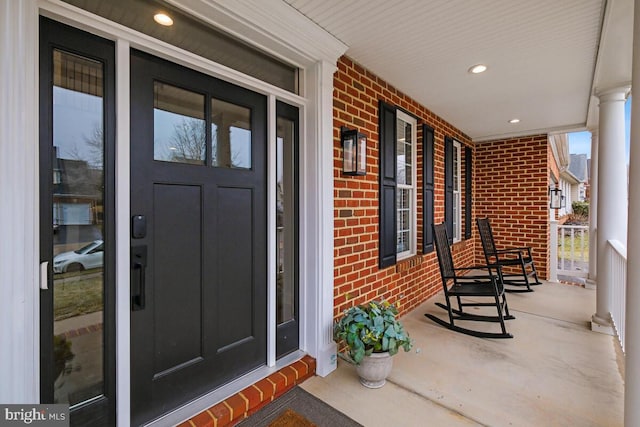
x=427, y=189
x=448, y=186
x=387, y=136
x=468, y=184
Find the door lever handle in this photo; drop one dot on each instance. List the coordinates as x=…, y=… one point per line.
x=138, y=299
x=138, y=277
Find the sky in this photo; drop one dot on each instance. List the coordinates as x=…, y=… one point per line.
x=580, y=142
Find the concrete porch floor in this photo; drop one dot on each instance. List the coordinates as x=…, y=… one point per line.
x=554, y=372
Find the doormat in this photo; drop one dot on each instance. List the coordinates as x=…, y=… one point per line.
x=289, y=418
x=298, y=408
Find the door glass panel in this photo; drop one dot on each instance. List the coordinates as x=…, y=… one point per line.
x=285, y=229
x=78, y=228
x=179, y=130
x=230, y=135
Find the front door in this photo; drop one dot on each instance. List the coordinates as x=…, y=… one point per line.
x=198, y=234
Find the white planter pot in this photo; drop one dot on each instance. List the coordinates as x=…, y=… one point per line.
x=374, y=369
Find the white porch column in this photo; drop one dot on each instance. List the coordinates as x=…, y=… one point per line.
x=632, y=322
x=612, y=196
x=317, y=206
x=19, y=256
x=593, y=212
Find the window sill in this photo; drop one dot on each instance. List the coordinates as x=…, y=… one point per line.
x=408, y=263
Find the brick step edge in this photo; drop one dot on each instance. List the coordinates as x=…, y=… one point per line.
x=244, y=403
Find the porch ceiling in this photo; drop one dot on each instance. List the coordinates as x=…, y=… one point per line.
x=545, y=58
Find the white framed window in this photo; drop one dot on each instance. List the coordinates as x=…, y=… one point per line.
x=457, y=191
x=406, y=193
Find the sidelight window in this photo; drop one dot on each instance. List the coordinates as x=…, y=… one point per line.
x=78, y=228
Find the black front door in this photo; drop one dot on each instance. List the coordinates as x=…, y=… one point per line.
x=198, y=234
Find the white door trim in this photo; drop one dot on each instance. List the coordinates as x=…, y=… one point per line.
x=20, y=206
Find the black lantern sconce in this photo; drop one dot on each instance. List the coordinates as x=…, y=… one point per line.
x=556, y=198
x=354, y=151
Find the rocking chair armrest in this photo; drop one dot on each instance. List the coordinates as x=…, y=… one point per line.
x=514, y=250
x=476, y=278
x=477, y=267
x=507, y=254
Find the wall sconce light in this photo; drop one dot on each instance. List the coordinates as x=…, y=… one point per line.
x=354, y=151
x=556, y=198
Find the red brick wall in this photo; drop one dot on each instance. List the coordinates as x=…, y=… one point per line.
x=512, y=190
x=357, y=278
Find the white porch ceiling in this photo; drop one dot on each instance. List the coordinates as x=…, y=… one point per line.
x=542, y=56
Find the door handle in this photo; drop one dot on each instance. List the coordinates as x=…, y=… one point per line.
x=44, y=275
x=138, y=277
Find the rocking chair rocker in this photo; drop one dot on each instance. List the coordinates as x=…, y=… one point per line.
x=517, y=258
x=475, y=286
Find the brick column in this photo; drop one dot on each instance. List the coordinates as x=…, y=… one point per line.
x=612, y=197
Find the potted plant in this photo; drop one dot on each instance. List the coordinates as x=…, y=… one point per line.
x=372, y=335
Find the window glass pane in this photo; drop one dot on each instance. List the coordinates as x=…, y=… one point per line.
x=456, y=213
x=230, y=135
x=285, y=229
x=403, y=152
x=457, y=207
x=179, y=132
x=78, y=228
x=408, y=153
x=456, y=168
x=403, y=203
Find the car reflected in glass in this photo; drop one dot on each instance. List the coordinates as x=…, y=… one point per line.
x=85, y=258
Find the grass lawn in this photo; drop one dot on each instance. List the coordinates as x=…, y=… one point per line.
x=580, y=247
x=77, y=293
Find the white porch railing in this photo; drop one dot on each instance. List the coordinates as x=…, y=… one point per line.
x=572, y=250
x=617, y=253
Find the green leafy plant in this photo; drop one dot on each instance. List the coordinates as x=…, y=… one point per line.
x=580, y=208
x=62, y=354
x=371, y=328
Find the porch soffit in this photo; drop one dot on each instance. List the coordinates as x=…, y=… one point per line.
x=543, y=56
x=272, y=26
x=560, y=148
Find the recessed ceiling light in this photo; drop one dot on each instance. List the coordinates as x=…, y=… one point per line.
x=163, y=19
x=514, y=121
x=477, y=69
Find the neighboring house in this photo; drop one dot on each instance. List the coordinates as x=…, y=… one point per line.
x=77, y=208
x=232, y=237
x=579, y=169
x=560, y=175
x=587, y=190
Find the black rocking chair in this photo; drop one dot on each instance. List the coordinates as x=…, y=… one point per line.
x=474, y=286
x=519, y=259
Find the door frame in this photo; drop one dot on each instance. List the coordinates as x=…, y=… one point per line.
x=316, y=55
